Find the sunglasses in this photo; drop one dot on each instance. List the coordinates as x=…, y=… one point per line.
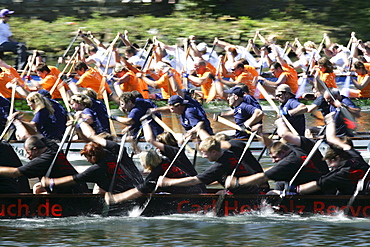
x=279, y=95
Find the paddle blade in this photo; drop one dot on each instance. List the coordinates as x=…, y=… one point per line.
x=345, y=89
x=348, y=119
x=212, y=93
x=302, y=85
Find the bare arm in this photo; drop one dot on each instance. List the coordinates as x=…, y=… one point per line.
x=178, y=182
x=284, y=132
x=149, y=137
x=330, y=132
x=124, y=196
x=255, y=179
x=12, y=172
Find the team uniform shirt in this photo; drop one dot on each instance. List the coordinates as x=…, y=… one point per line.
x=298, y=121
x=344, y=179
x=46, y=124
x=328, y=78
x=96, y=125
x=242, y=113
x=224, y=167
x=101, y=113
x=251, y=70
x=9, y=158
x=164, y=84
x=322, y=104
x=340, y=126
x=285, y=169
x=60, y=114
x=48, y=82
x=139, y=110
x=54, y=71
x=248, y=161
x=40, y=165
x=192, y=116
x=291, y=77
x=132, y=83
x=5, y=32
x=102, y=172
x=101, y=59
x=317, y=158
x=250, y=100
x=4, y=112
x=206, y=86
x=365, y=92
x=339, y=60
x=92, y=79
x=174, y=172
x=5, y=77
x=246, y=78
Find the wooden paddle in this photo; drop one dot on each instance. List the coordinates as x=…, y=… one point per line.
x=7, y=127
x=103, y=82
x=168, y=129
x=63, y=71
x=310, y=155
x=272, y=104
x=221, y=197
x=165, y=173
x=232, y=125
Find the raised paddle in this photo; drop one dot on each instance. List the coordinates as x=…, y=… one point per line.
x=221, y=197
x=272, y=104
x=265, y=147
x=349, y=120
x=168, y=129
x=165, y=173
x=232, y=125
x=6, y=129
x=68, y=48
x=309, y=157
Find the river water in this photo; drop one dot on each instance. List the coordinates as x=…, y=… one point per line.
x=264, y=228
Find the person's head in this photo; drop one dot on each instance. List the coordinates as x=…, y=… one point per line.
x=279, y=151
x=136, y=94
x=37, y=102
x=150, y=159
x=336, y=94
x=93, y=152
x=5, y=14
x=210, y=148
x=283, y=93
x=325, y=65
x=130, y=51
x=244, y=87
x=167, y=138
x=221, y=137
x=234, y=96
x=81, y=68
x=45, y=93
x=359, y=68
x=276, y=69
x=90, y=93
x=92, y=49
x=202, y=47
x=42, y=70
x=127, y=101
x=309, y=45
x=200, y=65
x=177, y=104
x=237, y=68
x=34, y=147
x=232, y=50
x=120, y=70
x=335, y=156
x=80, y=101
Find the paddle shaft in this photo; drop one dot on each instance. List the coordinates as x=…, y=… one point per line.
x=119, y=159
x=68, y=48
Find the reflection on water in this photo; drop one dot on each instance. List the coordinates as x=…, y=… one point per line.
x=188, y=230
